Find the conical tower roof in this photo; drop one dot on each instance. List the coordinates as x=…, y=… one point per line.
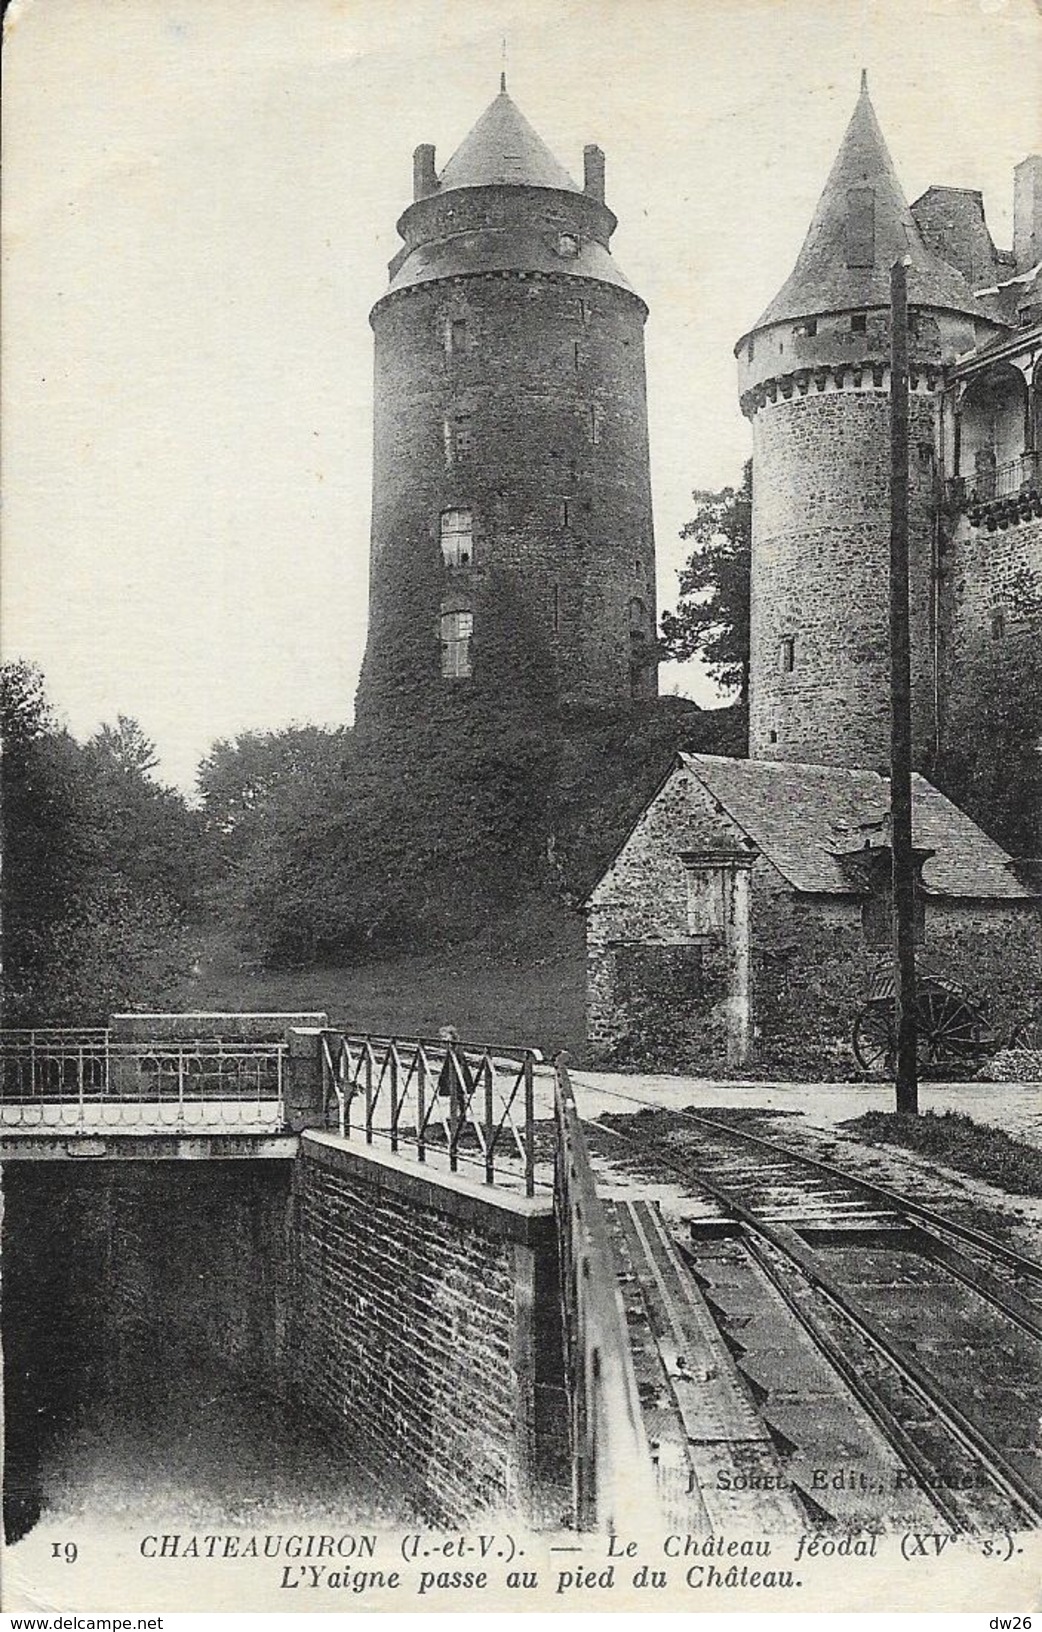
x=503, y=149
x=824, y=279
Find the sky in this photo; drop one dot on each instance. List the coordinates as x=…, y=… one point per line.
x=200, y=200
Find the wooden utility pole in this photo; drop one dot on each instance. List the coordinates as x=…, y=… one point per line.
x=903, y=877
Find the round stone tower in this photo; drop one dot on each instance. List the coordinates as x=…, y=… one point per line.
x=511, y=517
x=815, y=382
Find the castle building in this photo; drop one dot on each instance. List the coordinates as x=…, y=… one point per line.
x=511, y=513
x=747, y=914
x=815, y=384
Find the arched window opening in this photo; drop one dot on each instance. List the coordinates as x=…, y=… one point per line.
x=457, y=537
x=456, y=631
x=993, y=434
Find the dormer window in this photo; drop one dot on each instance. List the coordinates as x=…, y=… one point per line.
x=457, y=537
x=567, y=245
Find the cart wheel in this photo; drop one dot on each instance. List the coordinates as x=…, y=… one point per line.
x=873, y=1037
x=1027, y=1033
x=950, y=1028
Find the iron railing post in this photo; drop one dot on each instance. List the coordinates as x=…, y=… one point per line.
x=393, y=1073
x=368, y=1092
x=529, y=1124
x=452, y=1073
x=421, y=1104
x=490, y=1161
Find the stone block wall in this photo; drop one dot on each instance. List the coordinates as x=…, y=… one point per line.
x=991, y=600
x=653, y=990
x=813, y=968
x=427, y=1335
x=821, y=541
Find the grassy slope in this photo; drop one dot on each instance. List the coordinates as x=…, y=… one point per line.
x=530, y=993
x=957, y=1141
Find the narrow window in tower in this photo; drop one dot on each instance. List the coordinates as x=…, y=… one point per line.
x=998, y=625
x=456, y=335
x=585, y=311
x=787, y=653
x=456, y=630
x=595, y=424
x=859, y=322
x=461, y=436
x=457, y=537
x=557, y=608
x=575, y=356
x=564, y=513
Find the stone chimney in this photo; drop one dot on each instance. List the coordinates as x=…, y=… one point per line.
x=424, y=177
x=1027, y=212
x=593, y=172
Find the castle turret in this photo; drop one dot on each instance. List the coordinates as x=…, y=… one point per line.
x=815, y=382
x=511, y=491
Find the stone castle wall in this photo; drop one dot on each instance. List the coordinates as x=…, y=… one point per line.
x=821, y=543
x=992, y=601
x=519, y=397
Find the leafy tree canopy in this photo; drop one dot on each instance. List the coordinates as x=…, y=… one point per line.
x=712, y=616
x=100, y=865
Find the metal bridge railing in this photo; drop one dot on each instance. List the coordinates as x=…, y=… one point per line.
x=55, y=1077
x=612, y=1471
x=475, y=1103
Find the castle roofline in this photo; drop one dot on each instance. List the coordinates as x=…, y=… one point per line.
x=861, y=226
x=503, y=150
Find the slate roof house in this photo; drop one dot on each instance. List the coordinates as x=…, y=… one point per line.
x=744, y=917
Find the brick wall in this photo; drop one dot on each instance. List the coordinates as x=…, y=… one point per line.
x=427, y=1332
x=550, y=373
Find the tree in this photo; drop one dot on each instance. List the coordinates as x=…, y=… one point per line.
x=99, y=867
x=126, y=746
x=712, y=616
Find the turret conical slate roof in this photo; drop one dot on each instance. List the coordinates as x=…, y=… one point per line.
x=502, y=149
x=822, y=280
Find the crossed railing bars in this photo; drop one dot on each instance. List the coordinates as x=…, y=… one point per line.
x=476, y=1102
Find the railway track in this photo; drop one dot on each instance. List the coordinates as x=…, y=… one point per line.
x=931, y=1329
